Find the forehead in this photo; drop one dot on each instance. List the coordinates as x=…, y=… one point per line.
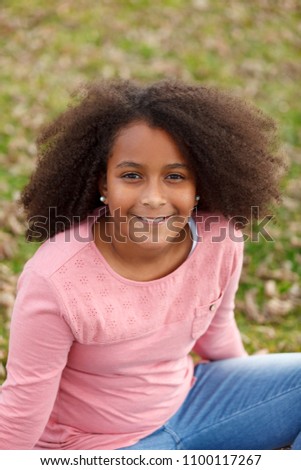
x=141, y=141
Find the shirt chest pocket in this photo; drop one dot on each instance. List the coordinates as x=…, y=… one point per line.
x=203, y=316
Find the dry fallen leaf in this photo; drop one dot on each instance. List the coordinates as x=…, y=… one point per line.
x=276, y=307
x=284, y=274
x=261, y=351
x=270, y=288
x=251, y=307
x=2, y=370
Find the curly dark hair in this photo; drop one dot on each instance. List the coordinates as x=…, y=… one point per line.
x=231, y=145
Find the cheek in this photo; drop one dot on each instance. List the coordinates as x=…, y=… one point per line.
x=119, y=196
x=114, y=188
x=188, y=199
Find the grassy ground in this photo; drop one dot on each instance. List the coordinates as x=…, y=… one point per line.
x=252, y=48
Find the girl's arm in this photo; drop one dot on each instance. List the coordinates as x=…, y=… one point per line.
x=40, y=341
x=222, y=340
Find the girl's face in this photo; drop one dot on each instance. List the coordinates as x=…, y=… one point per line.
x=149, y=188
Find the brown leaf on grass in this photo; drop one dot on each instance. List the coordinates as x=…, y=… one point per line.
x=270, y=288
x=2, y=371
x=14, y=224
x=260, y=352
x=290, y=203
x=267, y=331
x=277, y=307
x=296, y=242
x=8, y=282
x=284, y=274
x=295, y=291
x=8, y=246
x=7, y=299
x=293, y=188
x=11, y=219
x=251, y=307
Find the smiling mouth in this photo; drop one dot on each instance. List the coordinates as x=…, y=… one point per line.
x=153, y=220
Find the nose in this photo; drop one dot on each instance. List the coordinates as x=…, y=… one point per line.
x=153, y=196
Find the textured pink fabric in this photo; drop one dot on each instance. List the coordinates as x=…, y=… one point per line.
x=97, y=361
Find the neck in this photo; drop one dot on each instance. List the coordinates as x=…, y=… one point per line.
x=137, y=261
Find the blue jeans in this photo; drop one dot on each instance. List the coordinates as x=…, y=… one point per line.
x=242, y=403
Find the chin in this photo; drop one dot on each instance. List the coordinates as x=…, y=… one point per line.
x=156, y=239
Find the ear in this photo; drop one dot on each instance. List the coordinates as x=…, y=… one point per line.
x=102, y=185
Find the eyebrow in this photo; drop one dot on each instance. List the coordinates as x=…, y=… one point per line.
x=171, y=166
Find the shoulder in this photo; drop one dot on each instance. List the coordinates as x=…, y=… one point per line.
x=215, y=224
x=217, y=229
x=57, y=251
x=224, y=243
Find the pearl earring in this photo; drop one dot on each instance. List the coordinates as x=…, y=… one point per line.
x=197, y=198
x=102, y=198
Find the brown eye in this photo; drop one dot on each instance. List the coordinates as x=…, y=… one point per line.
x=131, y=176
x=175, y=176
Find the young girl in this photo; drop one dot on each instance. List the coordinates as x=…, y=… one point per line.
x=137, y=195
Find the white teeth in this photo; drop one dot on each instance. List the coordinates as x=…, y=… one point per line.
x=156, y=220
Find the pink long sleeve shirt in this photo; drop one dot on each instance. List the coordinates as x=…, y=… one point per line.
x=97, y=361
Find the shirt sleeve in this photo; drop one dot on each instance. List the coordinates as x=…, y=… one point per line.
x=40, y=341
x=222, y=340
